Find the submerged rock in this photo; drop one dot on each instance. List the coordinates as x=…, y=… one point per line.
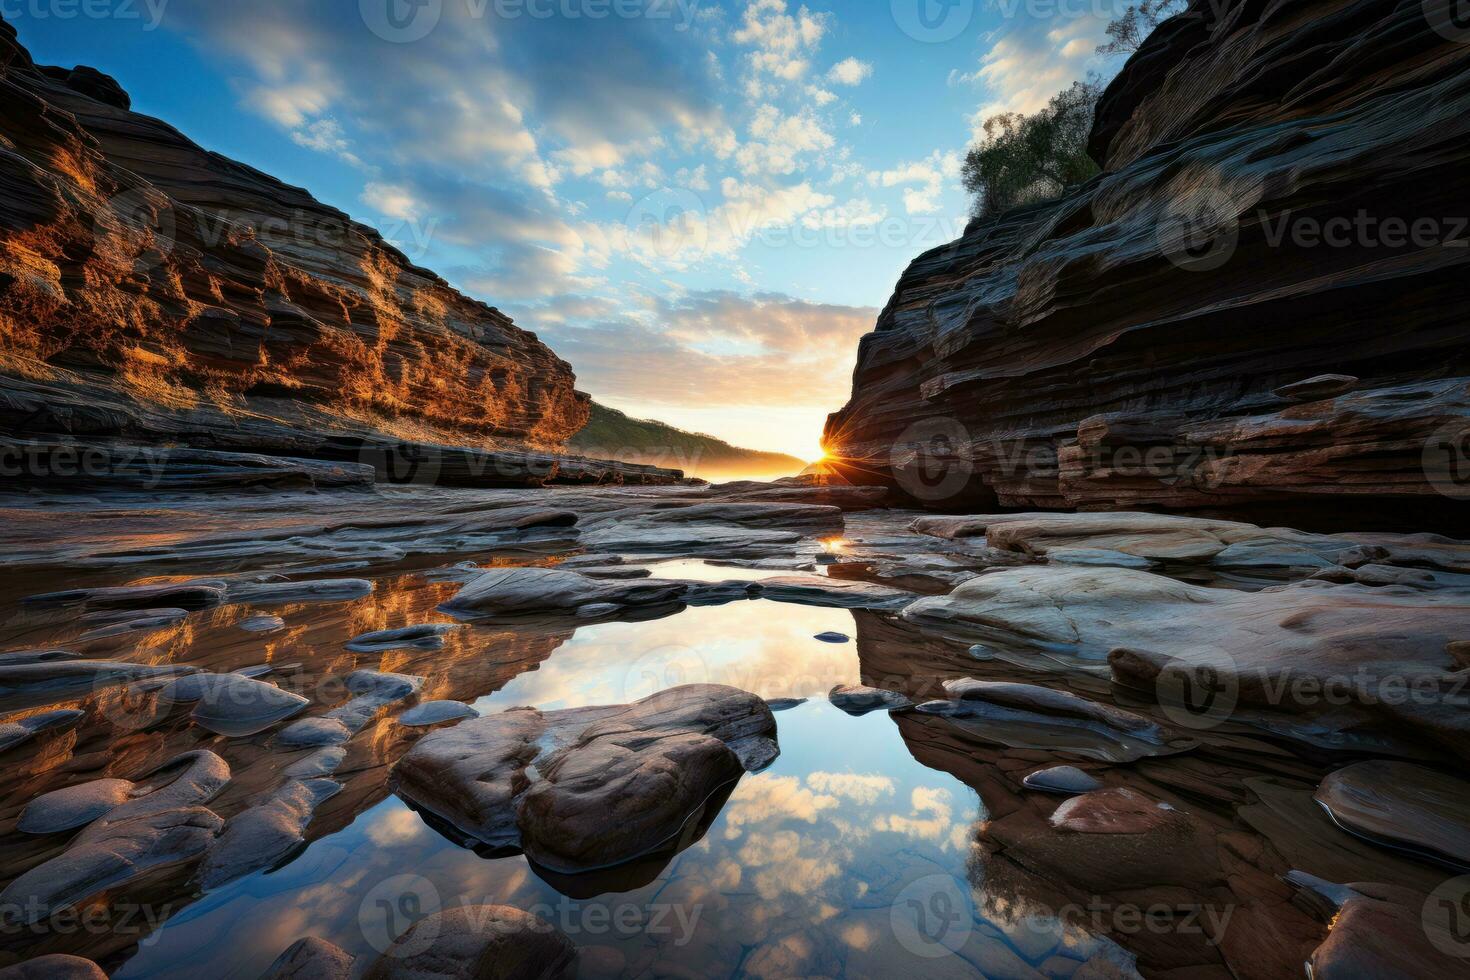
x=1027, y=716
x=820, y=590
x=49, y=681
x=311, y=959
x=526, y=591
x=855, y=699
x=1065, y=780
x=279, y=593
x=374, y=691
x=73, y=806
x=15, y=733
x=183, y=596
x=427, y=637
x=54, y=966
x=1402, y=806
x=322, y=762
x=436, y=713
x=265, y=834
x=833, y=637
x=478, y=941
x=236, y=706
x=784, y=704
x=168, y=825
x=612, y=784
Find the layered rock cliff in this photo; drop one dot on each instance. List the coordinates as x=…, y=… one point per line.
x=153, y=291
x=1284, y=197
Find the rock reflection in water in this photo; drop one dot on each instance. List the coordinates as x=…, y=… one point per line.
x=847, y=856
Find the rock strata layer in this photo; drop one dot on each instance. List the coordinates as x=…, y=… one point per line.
x=1235, y=316
x=153, y=293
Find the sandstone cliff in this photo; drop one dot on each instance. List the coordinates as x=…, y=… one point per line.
x=156, y=292
x=1285, y=196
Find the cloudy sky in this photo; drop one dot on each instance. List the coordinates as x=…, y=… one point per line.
x=701, y=204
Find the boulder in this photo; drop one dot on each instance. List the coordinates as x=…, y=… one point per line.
x=652, y=766
x=478, y=942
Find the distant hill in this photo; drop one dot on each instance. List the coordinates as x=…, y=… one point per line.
x=612, y=435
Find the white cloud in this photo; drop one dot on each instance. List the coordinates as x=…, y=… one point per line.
x=850, y=71
x=391, y=200
x=929, y=174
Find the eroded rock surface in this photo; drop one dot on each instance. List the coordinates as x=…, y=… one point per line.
x=1077, y=354
x=615, y=783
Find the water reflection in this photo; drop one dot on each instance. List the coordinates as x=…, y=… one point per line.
x=847, y=857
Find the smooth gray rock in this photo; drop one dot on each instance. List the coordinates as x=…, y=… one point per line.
x=322, y=762
x=833, y=637
x=784, y=704
x=16, y=733
x=262, y=624
x=311, y=959
x=313, y=732
x=46, y=682
x=166, y=825
x=478, y=942
x=182, y=596
x=588, y=788
x=436, y=713
x=526, y=591
x=1063, y=780
x=266, y=833
x=324, y=590
x=237, y=706
x=73, y=806
x=54, y=966
x=16, y=658
x=426, y=637
x=855, y=699
x=1403, y=806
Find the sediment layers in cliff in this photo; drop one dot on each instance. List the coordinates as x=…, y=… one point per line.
x=1285, y=197
x=154, y=292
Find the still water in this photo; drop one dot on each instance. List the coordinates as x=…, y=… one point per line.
x=846, y=857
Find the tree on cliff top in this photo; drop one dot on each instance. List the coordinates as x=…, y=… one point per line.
x=1128, y=32
x=1025, y=159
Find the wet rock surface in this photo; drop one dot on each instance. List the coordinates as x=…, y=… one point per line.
x=1403, y=806
x=491, y=941
x=654, y=764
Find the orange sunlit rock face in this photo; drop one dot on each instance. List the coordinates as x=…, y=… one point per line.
x=187, y=286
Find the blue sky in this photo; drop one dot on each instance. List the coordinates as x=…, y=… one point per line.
x=702, y=206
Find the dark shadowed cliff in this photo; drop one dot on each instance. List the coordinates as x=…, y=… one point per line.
x=1285, y=197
